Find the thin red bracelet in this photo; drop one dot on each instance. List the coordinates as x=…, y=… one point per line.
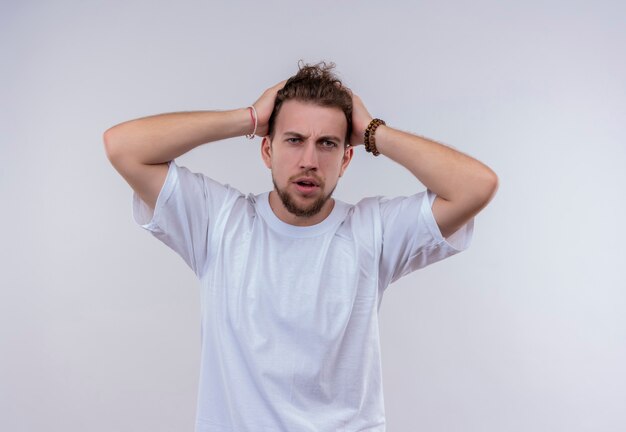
x=254, y=120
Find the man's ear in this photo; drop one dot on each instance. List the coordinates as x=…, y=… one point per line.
x=347, y=157
x=266, y=151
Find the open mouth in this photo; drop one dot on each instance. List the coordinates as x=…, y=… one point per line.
x=306, y=186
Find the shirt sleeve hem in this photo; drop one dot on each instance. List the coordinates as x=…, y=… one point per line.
x=460, y=240
x=142, y=214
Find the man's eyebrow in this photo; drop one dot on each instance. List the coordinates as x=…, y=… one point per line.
x=330, y=138
x=296, y=134
x=323, y=137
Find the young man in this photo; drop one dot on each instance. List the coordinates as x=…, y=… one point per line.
x=292, y=279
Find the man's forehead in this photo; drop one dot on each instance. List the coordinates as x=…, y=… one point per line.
x=308, y=117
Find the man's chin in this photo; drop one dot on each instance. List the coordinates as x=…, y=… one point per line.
x=302, y=206
x=300, y=210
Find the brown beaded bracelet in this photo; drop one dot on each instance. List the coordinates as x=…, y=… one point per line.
x=370, y=141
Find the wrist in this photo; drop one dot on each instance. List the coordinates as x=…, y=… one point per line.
x=241, y=122
x=254, y=118
x=370, y=136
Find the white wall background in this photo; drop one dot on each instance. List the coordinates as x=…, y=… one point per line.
x=524, y=331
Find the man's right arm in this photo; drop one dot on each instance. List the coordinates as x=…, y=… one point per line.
x=141, y=149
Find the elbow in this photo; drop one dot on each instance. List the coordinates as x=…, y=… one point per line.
x=482, y=189
x=111, y=144
x=489, y=186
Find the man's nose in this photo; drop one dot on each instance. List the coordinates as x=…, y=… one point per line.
x=308, y=157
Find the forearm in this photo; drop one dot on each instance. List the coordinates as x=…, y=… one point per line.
x=164, y=137
x=450, y=174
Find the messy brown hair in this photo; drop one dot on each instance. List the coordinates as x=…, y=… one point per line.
x=316, y=84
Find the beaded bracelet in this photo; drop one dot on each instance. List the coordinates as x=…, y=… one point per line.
x=370, y=141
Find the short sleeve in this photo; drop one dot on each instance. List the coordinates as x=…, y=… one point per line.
x=184, y=213
x=411, y=237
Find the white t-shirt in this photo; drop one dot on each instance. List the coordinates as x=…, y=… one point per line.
x=290, y=337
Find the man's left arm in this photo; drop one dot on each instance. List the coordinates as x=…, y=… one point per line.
x=463, y=185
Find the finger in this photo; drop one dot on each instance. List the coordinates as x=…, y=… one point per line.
x=280, y=85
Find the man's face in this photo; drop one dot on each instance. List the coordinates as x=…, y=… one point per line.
x=307, y=156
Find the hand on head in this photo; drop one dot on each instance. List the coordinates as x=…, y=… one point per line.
x=360, y=119
x=264, y=107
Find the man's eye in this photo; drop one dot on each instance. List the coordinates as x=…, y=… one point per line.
x=327, y=143
x=293, y=140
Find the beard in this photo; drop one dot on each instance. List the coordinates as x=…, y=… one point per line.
x=293, y=208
